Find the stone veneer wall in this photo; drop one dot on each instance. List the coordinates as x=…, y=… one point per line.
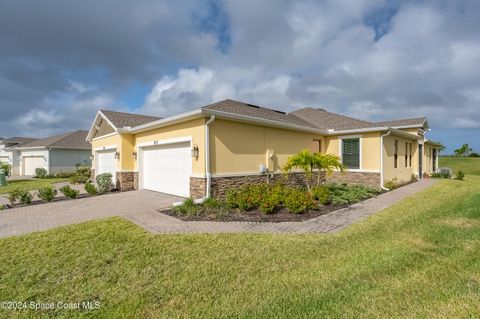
x=362, y=178
x=220, y=185
x=126, y=181
x=198, y=187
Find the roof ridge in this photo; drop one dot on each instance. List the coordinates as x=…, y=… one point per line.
x=129, y=113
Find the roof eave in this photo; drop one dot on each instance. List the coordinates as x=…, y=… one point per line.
x=433, y=143
x=162, y=122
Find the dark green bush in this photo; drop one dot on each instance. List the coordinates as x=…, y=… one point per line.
x=298, y=201
x=25, y=196
x=91, y=189
x=460, y=175
x=47, y=193
x=343, y=194
x=7, y=168
x=322, y=194
x=104, y=183
x=13, y=196
x=40, y=172
x=69, y=192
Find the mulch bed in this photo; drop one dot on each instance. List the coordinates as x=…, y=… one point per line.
x=254, y=215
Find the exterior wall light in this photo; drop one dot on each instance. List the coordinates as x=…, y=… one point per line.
x=117, y=155
x=134, y=156
x=195, y=151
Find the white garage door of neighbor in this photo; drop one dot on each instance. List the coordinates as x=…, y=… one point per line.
x=167, y=168
x=106, y=163
x=30, y=163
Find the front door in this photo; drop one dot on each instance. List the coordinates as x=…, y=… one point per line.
x=420, y=161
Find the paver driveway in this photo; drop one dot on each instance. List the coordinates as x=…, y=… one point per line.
x=40, y=217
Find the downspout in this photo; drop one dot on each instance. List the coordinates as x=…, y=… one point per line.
x=381, y=160
x=207, y=161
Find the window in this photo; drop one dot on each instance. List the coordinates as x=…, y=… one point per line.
x=395, y=154
x=406, y=154
x=351, y=153
x=410, y=156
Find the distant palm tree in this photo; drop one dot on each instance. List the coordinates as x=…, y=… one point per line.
x=464, y=150
x=308, y=161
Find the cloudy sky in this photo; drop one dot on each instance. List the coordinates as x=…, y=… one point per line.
x=374, y=59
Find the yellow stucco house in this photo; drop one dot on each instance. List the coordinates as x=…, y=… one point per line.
x=230, y=143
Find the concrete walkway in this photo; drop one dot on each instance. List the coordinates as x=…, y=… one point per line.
x=28, y=219
x=332, y=222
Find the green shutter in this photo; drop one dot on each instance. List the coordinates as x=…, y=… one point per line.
x=351, y=153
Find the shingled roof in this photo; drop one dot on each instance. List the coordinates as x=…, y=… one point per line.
x=329, y=121
x=122, y=119
x=17, y=141
x=69, y=140
x=419, y=121
x=254, y=111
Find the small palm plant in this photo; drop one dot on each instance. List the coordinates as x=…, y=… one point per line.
x=308, y=161
x=327, y=163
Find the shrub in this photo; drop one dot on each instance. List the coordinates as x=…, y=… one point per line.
x=13, y=196
x=322, y=194
x=47, y=193
x=232, y=198
x=460, y=175
x=3, y=207
x=391, y=184
x=91, y=189
x=188, y=207
x=104, y=183
x=40, y=172
x=247, y=197
x=473, y=154
x=7, y=168
x=69, y=192
x=25, y=196
x=81, y=176
x=268, y=204
x=212, y=203
x=343, y=194
x=298, y=201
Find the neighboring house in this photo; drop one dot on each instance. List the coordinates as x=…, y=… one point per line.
x=57, y=154
x=8, y=153
x=229, y=143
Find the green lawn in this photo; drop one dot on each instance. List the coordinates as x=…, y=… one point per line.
x=469, y=165
x=419, y=258
x=30, y=184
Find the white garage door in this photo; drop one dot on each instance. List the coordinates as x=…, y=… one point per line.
x=30, y=163
x=167, y=168
x=106, y=163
